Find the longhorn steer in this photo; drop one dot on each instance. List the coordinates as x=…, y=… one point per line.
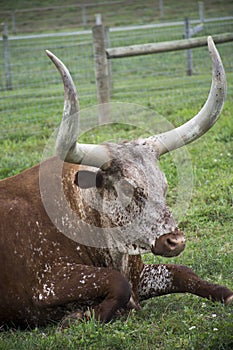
x=101, y=195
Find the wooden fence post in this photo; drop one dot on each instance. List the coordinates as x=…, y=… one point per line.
x=189, y=69
x=161, y=9
x=108, y=45
x=6, y=57
x=13, y=17
x=101, y=73
x=84, y=16
x=201, y=11
x=98, y=19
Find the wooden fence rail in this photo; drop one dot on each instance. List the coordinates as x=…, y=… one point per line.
x=146, y=49
x=102, y=55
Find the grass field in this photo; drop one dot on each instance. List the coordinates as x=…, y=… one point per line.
x=171, y=322
x=114, y=13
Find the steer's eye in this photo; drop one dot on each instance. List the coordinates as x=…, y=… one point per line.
x=125, y=188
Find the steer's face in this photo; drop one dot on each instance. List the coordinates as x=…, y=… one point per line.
x=129, y=193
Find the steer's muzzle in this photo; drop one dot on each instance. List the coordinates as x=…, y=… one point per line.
x=170, y=244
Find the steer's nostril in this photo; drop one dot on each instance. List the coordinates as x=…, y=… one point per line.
x=172, y=243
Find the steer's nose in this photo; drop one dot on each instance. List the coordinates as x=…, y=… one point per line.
x=170, y=244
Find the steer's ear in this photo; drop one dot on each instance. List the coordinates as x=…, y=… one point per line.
x=87, y=179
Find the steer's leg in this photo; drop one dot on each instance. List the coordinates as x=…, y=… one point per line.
x=104, y=290
x=165, y=279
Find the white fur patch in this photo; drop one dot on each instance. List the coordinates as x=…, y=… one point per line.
x=154, y=281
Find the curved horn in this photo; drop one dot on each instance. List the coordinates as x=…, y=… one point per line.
x=203, y=121
x=66, y=146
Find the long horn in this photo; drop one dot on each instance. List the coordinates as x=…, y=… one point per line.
x=204, y=120
x=66, y=146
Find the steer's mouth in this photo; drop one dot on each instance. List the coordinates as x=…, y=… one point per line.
x=170, y=244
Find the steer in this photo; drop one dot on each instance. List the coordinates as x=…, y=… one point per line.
x=73, y=228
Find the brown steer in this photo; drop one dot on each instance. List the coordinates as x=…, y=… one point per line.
x=74, y=227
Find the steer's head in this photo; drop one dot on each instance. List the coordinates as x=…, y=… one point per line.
x=123, y=182
x=129, y=193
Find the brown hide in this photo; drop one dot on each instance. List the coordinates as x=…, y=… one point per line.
x=31, y=245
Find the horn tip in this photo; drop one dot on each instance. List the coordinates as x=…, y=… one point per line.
x=49, y=53
x=54, y=59
x=210, y=42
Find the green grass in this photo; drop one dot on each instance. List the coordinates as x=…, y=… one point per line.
x=164, y=323
x=169, y=322
x=114, y=14
x=29, y=115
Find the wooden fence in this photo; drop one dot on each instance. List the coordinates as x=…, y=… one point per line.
x=103, y=55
